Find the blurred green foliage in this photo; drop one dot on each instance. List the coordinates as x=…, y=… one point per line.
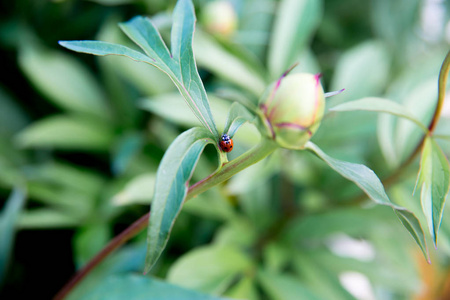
x=82, y=136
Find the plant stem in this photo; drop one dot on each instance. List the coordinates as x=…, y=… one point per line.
x=260, y=151
x=115, y=243
x=443, y=76
x=257, y=153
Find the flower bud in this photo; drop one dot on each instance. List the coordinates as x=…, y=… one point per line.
x=293, y=108
x=219, y=17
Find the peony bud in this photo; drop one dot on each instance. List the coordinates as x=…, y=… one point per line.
x=219, y=17
x=293, y=109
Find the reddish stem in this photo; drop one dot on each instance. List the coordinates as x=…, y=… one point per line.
x=115, y=243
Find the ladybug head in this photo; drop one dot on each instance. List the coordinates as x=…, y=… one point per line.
x=225, y=137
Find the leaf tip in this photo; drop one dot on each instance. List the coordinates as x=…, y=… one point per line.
x=63, y=43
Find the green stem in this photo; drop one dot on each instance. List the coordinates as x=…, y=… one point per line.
x=260, y=151
x=224, y=172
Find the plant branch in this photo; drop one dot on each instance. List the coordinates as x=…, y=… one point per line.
x=257, y=153
x=115, y=243
x=443, y=76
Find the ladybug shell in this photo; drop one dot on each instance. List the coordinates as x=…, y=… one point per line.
x=226, y=144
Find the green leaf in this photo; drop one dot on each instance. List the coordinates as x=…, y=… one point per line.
x=128, y=147
x=237, y=116
x=179, y=65
x=224, y=264
x=368, y=181
x=412, y=224
x=434, y=179
x=351, y=71
x=63, y=80
x=319, y=278
x=67, y=132
x=44, y=218
x=8, y=219
x=286, y=287
x=168, y=106
x=104, y=48
x=244, y=289
x=214, y=57
x=171, y=187
x=12, y=117
x=130, y=286
x=138, y=190
x=380, y=105
x=295, y=23
x=90, y=240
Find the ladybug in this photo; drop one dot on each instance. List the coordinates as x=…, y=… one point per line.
x=226, y=143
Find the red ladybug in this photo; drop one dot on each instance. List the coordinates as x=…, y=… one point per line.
x=226, y=143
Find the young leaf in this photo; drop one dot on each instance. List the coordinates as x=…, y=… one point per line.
x=380, y=105
x=179, y=65
x=368, y=181
x=171, y=187
x=237, y=116
x=434, y=178
x=8, y=218
x=132, y=286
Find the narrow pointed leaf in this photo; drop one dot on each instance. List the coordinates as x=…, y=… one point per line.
x=182, y=35
x=171, y=187
x=434, y=178
x=103, y=48
x=180, y=66
x=412, y=224
x=368, y=181
x=8, y=219
x=380, y=105
x=237, y=116
x=142, y=31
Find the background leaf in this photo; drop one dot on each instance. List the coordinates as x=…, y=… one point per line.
x=171, y=187
x=225, y=264
x=284, y=287
x=351, y=71
x=67, y=132
x=8, y=220
x=140, y=287
x=63, y=80
x=180, y=65
x=211, y=55
x=295, y=23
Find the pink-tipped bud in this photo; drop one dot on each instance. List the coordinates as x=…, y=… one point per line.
x=293, y=108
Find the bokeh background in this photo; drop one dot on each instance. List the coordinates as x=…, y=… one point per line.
x=81, y=138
